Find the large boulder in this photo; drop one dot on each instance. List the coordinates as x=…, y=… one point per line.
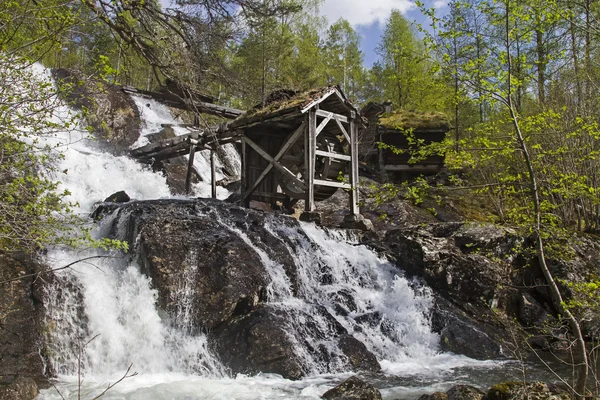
x=214, y=266
x=258, y=342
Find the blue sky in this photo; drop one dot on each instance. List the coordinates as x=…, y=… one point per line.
x=368, y=17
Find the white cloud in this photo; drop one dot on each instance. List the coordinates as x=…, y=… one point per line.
x=363, y=12
x=440, y=4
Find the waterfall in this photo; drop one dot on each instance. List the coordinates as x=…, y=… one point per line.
x=102, y=315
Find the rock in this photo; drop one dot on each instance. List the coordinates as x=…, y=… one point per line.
x=311, y=216
x=359, y=357
x=531, y=313
x=434, y=396
x=357, y=222
x=19, y=389
x=197, y=253
x=461, y=334
x=257, y=342
x=353, y=388
x=226, y=276
x=523, y=391
x=118, y=197
x=112, y=114
x=464, y=392
x=21, y=327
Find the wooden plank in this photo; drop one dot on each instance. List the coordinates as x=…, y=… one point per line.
x=244, y=172
x=287, y=145
x=188, y=177
x=324, y=122
x=310, y=146
x=343, y=185
x=325, y=114
x=276, y=164
x=176, y=101
x=213, y=175
x=354, y=179
x=333, y=155
x=317, y=101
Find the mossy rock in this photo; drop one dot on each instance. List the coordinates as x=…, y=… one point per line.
x=515, y=390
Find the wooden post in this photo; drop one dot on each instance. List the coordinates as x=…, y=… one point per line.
x=354, y=165
x=244, y=177
x=213, y=174
x=188, y=178
x=380, y=161
x=310, y=147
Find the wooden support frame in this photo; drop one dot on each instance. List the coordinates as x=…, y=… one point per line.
x=310, y=147
x=244, y=178
x=354, y=178
x=288, y=144
x=213, y=175
x=276, y=164
x=188, y=177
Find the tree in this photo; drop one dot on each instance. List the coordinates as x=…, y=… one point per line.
x=411, y=79
x=343, y=58
x=525, y=149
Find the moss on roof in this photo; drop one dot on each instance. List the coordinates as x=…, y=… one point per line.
x=280, y=104
x=415, y=120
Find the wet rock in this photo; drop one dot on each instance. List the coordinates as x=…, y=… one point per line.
x=19, y=389
x=353, y=388
x=112, y=114
x=357, y=222
x=359, y=357
x=461, y=334
x=198, y=258
x=257, y=342
x=311, y=216
x=464, y=392
x=118, y=197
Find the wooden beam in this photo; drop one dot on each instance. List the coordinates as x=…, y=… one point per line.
x=287, y=145
x=325, y=114
x=348, y=138
x=310, y=146
x=276, y=164
x=176, y=101
x=333, y=155
x=244, y=177
x=317, y=101
x=324, y=123
x=343, y=185
x=213, y=175
x=354, y=179
x=188, y=177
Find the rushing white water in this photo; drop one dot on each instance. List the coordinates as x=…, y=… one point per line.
x=102, y=314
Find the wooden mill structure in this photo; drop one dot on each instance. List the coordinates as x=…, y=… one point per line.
x=393, y=161
x=299, y=146
x=295, y=146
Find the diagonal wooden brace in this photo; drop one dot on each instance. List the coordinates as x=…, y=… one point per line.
x=274, y=162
